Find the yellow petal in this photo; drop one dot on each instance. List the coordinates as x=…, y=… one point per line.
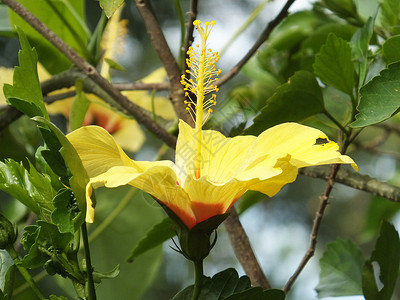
x=299, y=142
x=222, y=158
x=98, y=150
x=211, y=198
x=129, y=136
x=156, y=178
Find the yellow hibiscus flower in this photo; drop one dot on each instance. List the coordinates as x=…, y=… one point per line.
x=210, y=171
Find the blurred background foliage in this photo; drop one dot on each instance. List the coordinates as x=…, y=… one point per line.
x=279, y=227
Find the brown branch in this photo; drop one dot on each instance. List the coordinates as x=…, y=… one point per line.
x=316, y=224
x=189, y=34
x=91, y=72
x=263, y=37
x=244, y=252
x=142, y=86
x=168, y=60
x=357, y=181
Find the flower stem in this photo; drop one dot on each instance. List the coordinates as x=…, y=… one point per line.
x=90, y=282
x=25, y=273
x=198, y=268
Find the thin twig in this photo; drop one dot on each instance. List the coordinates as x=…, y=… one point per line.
x=263, y=37
x=91, y=71
x=324, y=199
x=168, y=60
x=244, y=252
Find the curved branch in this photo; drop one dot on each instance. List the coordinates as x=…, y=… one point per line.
x=91, y=72
x=244, y=252
x=168, y=60
x=263, y=37
x=357, y=181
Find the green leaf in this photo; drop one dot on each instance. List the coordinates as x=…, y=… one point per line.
x=6, y=262
x=25, y=94
x=359, y=44
x=389, y=13
x=390, y=49
x=65, y=211
x=79, y=107
x=294, y=101
x=341, y=269
x=80, y=178
x=378, y=209
x=53, y=297
x=158, y=234
x=387, y=255
x=114, y=65
x=370, y=289
x=380, y=98
x=30, y=188
x=220, y=286
x=343, y=8
x=334, y=65
x=43, y=236
x=110, y=6
x=256, y=293
x=66, y=19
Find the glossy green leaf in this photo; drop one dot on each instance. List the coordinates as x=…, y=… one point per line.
x=158, y=234
x=79, y=107
x=334, y=65
x=80, y=178
x=294, y=101
x=66, y=19
x=380, y=98
x=391, y=48
x=360, y=46
x=31, y=188
x=25, y=94
x=387, y=255
x=220, y=286
x=110, y=6
x=341, y=269
x=5, y=263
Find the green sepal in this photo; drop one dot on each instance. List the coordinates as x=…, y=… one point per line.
x=99, y=276
x=195, y=243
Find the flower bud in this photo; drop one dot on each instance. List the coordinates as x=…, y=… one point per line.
x=7, y=233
